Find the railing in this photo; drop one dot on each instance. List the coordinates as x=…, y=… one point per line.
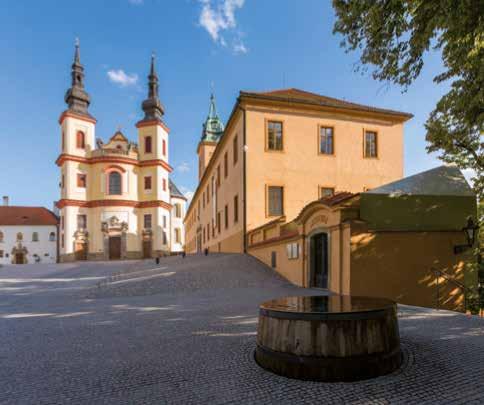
x=440, y=273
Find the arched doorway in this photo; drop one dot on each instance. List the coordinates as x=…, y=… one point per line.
x=318, y=260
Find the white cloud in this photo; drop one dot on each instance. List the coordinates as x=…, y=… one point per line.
x=218, y=16
x=187, y=193
x=183, y=167
x=122, y=78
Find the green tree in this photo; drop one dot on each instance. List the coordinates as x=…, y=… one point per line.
x=393, y=37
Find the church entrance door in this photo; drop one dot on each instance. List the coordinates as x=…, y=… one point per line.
x=80, y=251
x=114, y=247
x=19, y=258
x=146, y=249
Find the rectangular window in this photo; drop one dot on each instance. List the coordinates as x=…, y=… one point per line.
x=226, y=165
x=273, y=260
x=274, y=135
x=164, y=147
x=292, y=250
x=148, y=183
x=326, y=140
x=164, y=221
x=370, y=150
x=63, y=241
x=177, y=235
x=236, y=152
x=147, y=221
x=208, y=231
x=226, y=216
x=203, y=235
x=164, y=238
x=275, y=201
x=81, y=222
x=219, y=225
x=218, y=176
x=148, y=146
x=236, y=209
x=62, y=222
x=164, y=184
x=326, y=192
x=208, y=194
x=198, y=211
x=213, y=229
x=1, y=253
x=203, y=199
x=178, y=211
x=81, y=180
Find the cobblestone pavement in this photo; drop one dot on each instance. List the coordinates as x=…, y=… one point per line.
x=184, y=332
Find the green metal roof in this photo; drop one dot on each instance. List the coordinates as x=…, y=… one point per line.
x=213, y=127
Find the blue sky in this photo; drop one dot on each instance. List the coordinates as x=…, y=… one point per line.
x=236, y=44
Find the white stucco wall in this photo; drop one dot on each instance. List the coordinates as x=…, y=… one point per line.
x=44, y=248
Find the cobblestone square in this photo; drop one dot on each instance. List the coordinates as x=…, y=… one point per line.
x=184, y=332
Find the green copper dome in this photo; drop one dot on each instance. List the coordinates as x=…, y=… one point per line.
x=213, y=127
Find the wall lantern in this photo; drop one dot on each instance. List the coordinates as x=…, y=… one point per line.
x=470, y=231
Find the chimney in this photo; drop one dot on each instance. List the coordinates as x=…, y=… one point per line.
x=5, y=200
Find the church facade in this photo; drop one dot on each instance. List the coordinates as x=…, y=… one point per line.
x=117, y=198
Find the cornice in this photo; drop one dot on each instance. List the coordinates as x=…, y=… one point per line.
x=71, y=114
x=150, y=123
x=112, y=159
x=112, y=203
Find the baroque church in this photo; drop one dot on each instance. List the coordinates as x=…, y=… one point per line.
x=117, y=199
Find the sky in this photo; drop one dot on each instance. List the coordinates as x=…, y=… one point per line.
x=232, y=45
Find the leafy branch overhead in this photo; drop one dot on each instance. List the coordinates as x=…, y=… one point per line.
x=393, y=37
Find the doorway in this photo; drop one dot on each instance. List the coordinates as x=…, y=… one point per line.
x=319, y=262
x=19, y=258
x=80, y=251
x=114, y=247
x=146, y=249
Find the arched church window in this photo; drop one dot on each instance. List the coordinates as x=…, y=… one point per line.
x=35, y=237
x=114, y=183
x=1, y=237
x=80, y=140
x=52, y=237
x=20, y=236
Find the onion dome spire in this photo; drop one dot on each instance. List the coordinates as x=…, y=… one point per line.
x=76, y=97
x=213, y=127
x=152, y=105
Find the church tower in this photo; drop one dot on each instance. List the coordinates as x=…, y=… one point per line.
x=77, y=142
x=212, y=131
x=153, y=161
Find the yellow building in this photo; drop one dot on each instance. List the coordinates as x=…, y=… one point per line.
x=117, y=201
x=281, y=150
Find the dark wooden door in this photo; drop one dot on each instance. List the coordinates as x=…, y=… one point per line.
x=114, y=247
x=80, y=251
x=19, y=258
x=319, y=260
x=146, y=249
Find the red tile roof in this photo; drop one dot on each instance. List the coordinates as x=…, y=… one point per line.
x=306, y=97
x=14, y=215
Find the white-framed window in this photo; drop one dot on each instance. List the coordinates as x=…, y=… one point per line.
x=292, y=250
x=35, y=237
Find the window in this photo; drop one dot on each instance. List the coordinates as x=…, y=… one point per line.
x=147, y=221
x=148, y=146
x=81, y=180
x=52, y=237
x=275, y=201
x=164, y=221
x=219, y=225
x=203, y=236
x=1, y=253
x=208, y=194
x=81, y=222
x=20, y=236
x=177, y=235
x=273, y=260
x=178, y=213
x=147, y=182
x=164, y=147
x=292, y=250
x=326, y=192
x=63, y=240
x=274, y=135
x=164, y=238
x=226, y=216
x=236, y=209
x=164, y=184
x=115, y=183
x=62, y=222
x=80, y=140
x=1, y=237
x=226, y=165
x=63, y=141
x=35, y=237
x=236, y=152
x=326, y=140
x=370, y=150
x=218, y=176
x=208, y=231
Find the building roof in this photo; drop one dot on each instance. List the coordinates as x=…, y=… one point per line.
x=174, y=192
x=213, y=127
x=305, y=97
x=442, y=180
x=14, y=215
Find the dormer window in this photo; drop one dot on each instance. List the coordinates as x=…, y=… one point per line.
x=148, y=145
x=80, y=140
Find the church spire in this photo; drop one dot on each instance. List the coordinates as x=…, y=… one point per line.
x=76, y=97
x=212, y=127
x=152, y=105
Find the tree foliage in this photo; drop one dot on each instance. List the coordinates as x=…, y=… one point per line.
x=393, y=36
